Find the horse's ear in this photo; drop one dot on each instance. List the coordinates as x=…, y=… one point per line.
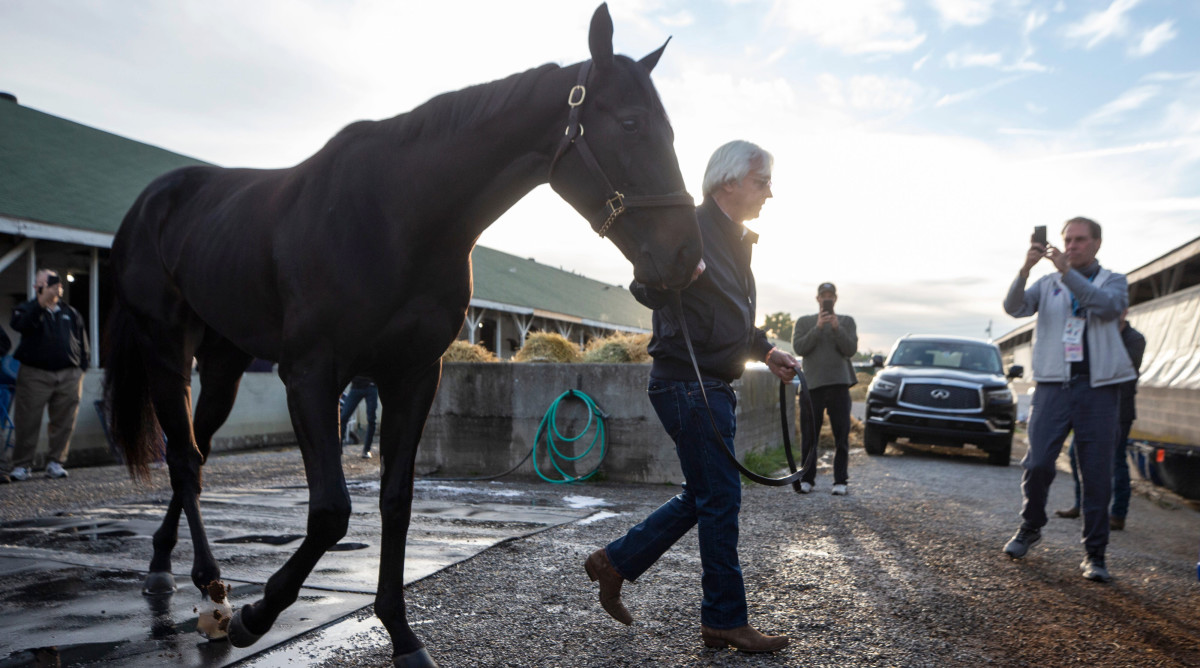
x=652, y=59
x=600, y=37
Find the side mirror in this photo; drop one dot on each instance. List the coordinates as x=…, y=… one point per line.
x=1015, y=371
x=877, y=361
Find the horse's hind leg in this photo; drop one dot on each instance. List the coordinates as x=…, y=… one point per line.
x=220, y=370
x=406, y=402
x=168, y=371
x=312, y=393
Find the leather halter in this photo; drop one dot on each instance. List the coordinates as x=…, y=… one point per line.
x=615, y=203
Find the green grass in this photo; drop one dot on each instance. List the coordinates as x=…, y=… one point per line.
x=767, y=462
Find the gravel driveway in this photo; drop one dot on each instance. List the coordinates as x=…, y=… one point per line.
x=905, y=571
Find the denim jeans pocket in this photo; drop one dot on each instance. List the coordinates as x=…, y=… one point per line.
x=664, y=396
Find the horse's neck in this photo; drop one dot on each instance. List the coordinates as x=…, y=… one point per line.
x=507, y=155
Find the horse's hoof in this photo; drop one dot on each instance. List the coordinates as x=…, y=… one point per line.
x=417, y=659
x=239, y=635
x=159, y=582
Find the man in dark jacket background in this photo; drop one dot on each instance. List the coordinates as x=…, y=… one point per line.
x=719, y=309
x=54, y=354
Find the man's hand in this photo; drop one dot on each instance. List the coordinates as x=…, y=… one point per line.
x=1059, y=259
x=1033, y=256
x=782, y=365
x=828, y=319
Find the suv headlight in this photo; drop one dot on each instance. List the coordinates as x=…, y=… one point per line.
x=1004, y=396
x=881, y=386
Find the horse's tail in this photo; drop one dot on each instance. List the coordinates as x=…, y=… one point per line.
x=129, y=412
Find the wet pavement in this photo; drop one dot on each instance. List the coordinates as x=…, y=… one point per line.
x=73, y=579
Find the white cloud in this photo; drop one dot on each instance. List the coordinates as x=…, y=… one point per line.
x=1034, y=20
x=1099, y=26
x=861, y=27
x=964, y=96
x=964, y=12
x=1131, y=100
x=870, y=93
x=921, y=61
x=680, y=19
x=1153, y=39
x=962, y=59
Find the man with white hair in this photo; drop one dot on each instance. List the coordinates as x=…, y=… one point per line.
x=719, y=309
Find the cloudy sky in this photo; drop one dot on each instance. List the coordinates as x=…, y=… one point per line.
x=917, y=141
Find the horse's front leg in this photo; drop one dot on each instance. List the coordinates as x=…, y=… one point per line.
x=406, y=402
x=312, y=395
x=160, y=580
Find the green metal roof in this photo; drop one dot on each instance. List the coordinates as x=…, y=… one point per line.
x=60, y=172
x=508, y=279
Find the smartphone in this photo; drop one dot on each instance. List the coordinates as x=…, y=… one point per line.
x=1039, y=235
x=826, y=306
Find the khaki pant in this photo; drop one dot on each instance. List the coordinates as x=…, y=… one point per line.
x=36, y=389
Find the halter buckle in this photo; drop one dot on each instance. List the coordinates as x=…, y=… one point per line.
x=614, y=210
x=571, y=100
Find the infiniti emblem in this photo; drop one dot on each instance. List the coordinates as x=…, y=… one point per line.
x=940, y=394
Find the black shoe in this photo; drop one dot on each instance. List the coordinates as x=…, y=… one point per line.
x=1020, y=543
x=1094, y=569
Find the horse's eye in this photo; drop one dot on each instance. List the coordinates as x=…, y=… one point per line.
x=629, y=125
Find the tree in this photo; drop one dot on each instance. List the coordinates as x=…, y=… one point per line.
x=779, y=325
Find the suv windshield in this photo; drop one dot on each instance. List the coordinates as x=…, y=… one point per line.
x=947, y=355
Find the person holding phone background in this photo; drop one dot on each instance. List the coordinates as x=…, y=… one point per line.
x=54, y=354
x=1079, y=362
x=826, y=342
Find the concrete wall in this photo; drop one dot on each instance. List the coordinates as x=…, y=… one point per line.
x=260, y=417
x=485, y=417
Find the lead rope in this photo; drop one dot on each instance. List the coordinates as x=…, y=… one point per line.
x=805, y=402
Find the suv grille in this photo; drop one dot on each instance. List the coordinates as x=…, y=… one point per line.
x=948, y=397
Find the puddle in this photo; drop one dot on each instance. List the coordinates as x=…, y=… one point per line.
x=260, y=538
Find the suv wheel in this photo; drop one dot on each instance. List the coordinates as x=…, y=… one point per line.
x=1002, y=456
x=874, y=441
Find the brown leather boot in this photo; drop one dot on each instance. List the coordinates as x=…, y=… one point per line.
x=1068, y=513
x=744, y=638
x=599, y=569
x=1116, y=523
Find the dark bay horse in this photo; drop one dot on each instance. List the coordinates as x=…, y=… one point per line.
x=357, y=260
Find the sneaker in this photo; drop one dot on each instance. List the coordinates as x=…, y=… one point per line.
x=1093, y=569
x=1020, y=543
x=19, y=473
x=1068, y=513
x=805, y=487
x=366, y=454
x=839, y=490
x=55, y=470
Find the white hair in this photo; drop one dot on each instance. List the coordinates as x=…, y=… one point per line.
x=733, y=161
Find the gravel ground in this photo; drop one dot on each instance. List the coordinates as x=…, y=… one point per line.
x=905, y=571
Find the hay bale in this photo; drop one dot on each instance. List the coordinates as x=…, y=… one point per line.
x=548, y=347
x=618, y=348
x=462, y=351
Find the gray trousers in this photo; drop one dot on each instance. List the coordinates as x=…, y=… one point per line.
x=36, y=390
x=1091, y=412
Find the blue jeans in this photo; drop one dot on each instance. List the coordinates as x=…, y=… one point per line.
x=1121, y=483
x=711, y=497
x=1091, y=412
x=350, y=404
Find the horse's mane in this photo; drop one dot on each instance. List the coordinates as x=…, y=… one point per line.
x=457, y=110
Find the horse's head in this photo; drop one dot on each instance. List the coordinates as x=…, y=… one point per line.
x=616, y=164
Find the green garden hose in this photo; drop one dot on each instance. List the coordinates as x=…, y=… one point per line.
x=549, y=427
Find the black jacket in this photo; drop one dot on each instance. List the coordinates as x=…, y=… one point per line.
x=719, y=307
x=50, y=341
x=1135, y=345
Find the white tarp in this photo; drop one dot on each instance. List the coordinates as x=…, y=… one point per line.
x=1171, y=326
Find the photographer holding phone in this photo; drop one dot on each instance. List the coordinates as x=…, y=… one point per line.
x=53, y=353
x=1079, y=362
x=827, y=341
